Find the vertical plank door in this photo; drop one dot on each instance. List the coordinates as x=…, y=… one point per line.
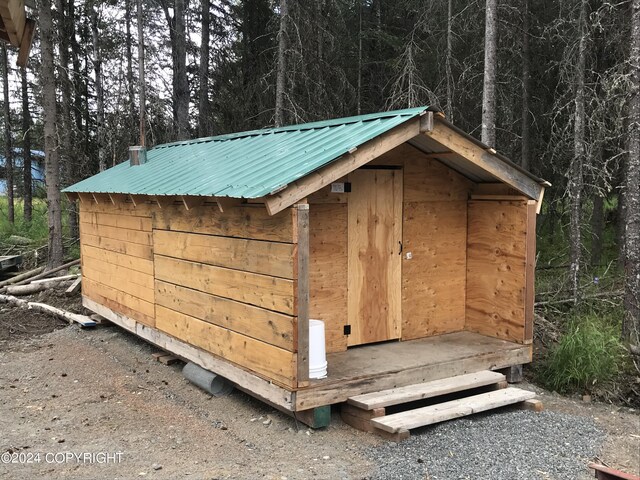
x=374, y=263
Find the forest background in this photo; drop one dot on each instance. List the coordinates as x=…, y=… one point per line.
x=553, y=85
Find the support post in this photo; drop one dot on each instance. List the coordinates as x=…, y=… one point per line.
x=318, y=417
x=302, y=293
x=513, y=373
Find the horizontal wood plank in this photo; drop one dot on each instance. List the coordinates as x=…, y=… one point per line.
x=124, y=234
x=126, y=275
x=261, y=290
x=441, y=412
x=264, y=325
x=119, y=246
x=420, y=391
x=268, y=258
x=267, y=360
x=121, y=208
x=115, y=279
x=128, y=221
x=251, y=222
x=134, y=263
x=119, y=301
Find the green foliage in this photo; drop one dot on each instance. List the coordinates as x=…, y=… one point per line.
x=589, y=353
x=36, y=230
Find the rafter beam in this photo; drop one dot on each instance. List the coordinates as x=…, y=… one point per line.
x=486, y=160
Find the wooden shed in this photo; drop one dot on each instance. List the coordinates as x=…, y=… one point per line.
x=412, y=241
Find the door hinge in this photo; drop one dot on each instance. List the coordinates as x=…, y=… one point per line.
x=347, y=329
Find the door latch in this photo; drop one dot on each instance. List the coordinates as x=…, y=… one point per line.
x=400, y=244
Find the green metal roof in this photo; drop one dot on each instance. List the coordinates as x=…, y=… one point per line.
x=243, y=165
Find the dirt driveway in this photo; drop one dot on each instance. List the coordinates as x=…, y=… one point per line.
x=91, y=393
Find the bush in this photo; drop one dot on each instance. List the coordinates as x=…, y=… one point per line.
x=588, y=353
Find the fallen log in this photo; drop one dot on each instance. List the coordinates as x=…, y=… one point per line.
x=53, y=280
x=22, y=276
x=83, y=320
x=49, y=272
x=32, y=288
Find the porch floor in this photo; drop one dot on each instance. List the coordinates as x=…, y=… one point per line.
x=370, y=368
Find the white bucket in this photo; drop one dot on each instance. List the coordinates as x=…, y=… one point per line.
x=317, y=350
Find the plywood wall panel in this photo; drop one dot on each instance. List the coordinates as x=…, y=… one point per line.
x=328, y=271
x=496, y=269
x=433, y=286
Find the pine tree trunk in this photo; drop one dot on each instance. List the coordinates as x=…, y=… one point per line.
x=526, y=86
x=576, y=176
x=359, y=84
x=141, y=80
x=52, y=162
x=8, y=152
x=597, y=229
x=204, y=115
x=97, y=67
x=282, y=64
x=78, y=75
x=448, y=60
x=26, y=149
x=180, y=83
x=67, y=155
x=489, y=88
x=131, y=98
x=631, y=322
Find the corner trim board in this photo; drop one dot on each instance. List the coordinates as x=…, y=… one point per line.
x=302, y=282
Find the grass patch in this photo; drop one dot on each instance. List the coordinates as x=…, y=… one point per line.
x=587, y=355
x=37, y=230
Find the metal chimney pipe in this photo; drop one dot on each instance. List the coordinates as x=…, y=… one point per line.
x=137, y=155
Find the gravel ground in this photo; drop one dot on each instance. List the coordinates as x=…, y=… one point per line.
x=100, y=390
x=508, y=445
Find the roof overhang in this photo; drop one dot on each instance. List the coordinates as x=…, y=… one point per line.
x=432, y=134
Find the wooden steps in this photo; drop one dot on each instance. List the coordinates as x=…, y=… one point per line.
x=421, y=391
x=473, y=393
x=441, y=412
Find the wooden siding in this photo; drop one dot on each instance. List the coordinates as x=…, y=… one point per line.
x=434, y=231
x=226, y=282
x=117, y=253
x=496, y=269
x=433, y=281
x=251, y=221
x=328, y=270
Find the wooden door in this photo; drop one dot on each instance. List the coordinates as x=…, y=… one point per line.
x=374, y=258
